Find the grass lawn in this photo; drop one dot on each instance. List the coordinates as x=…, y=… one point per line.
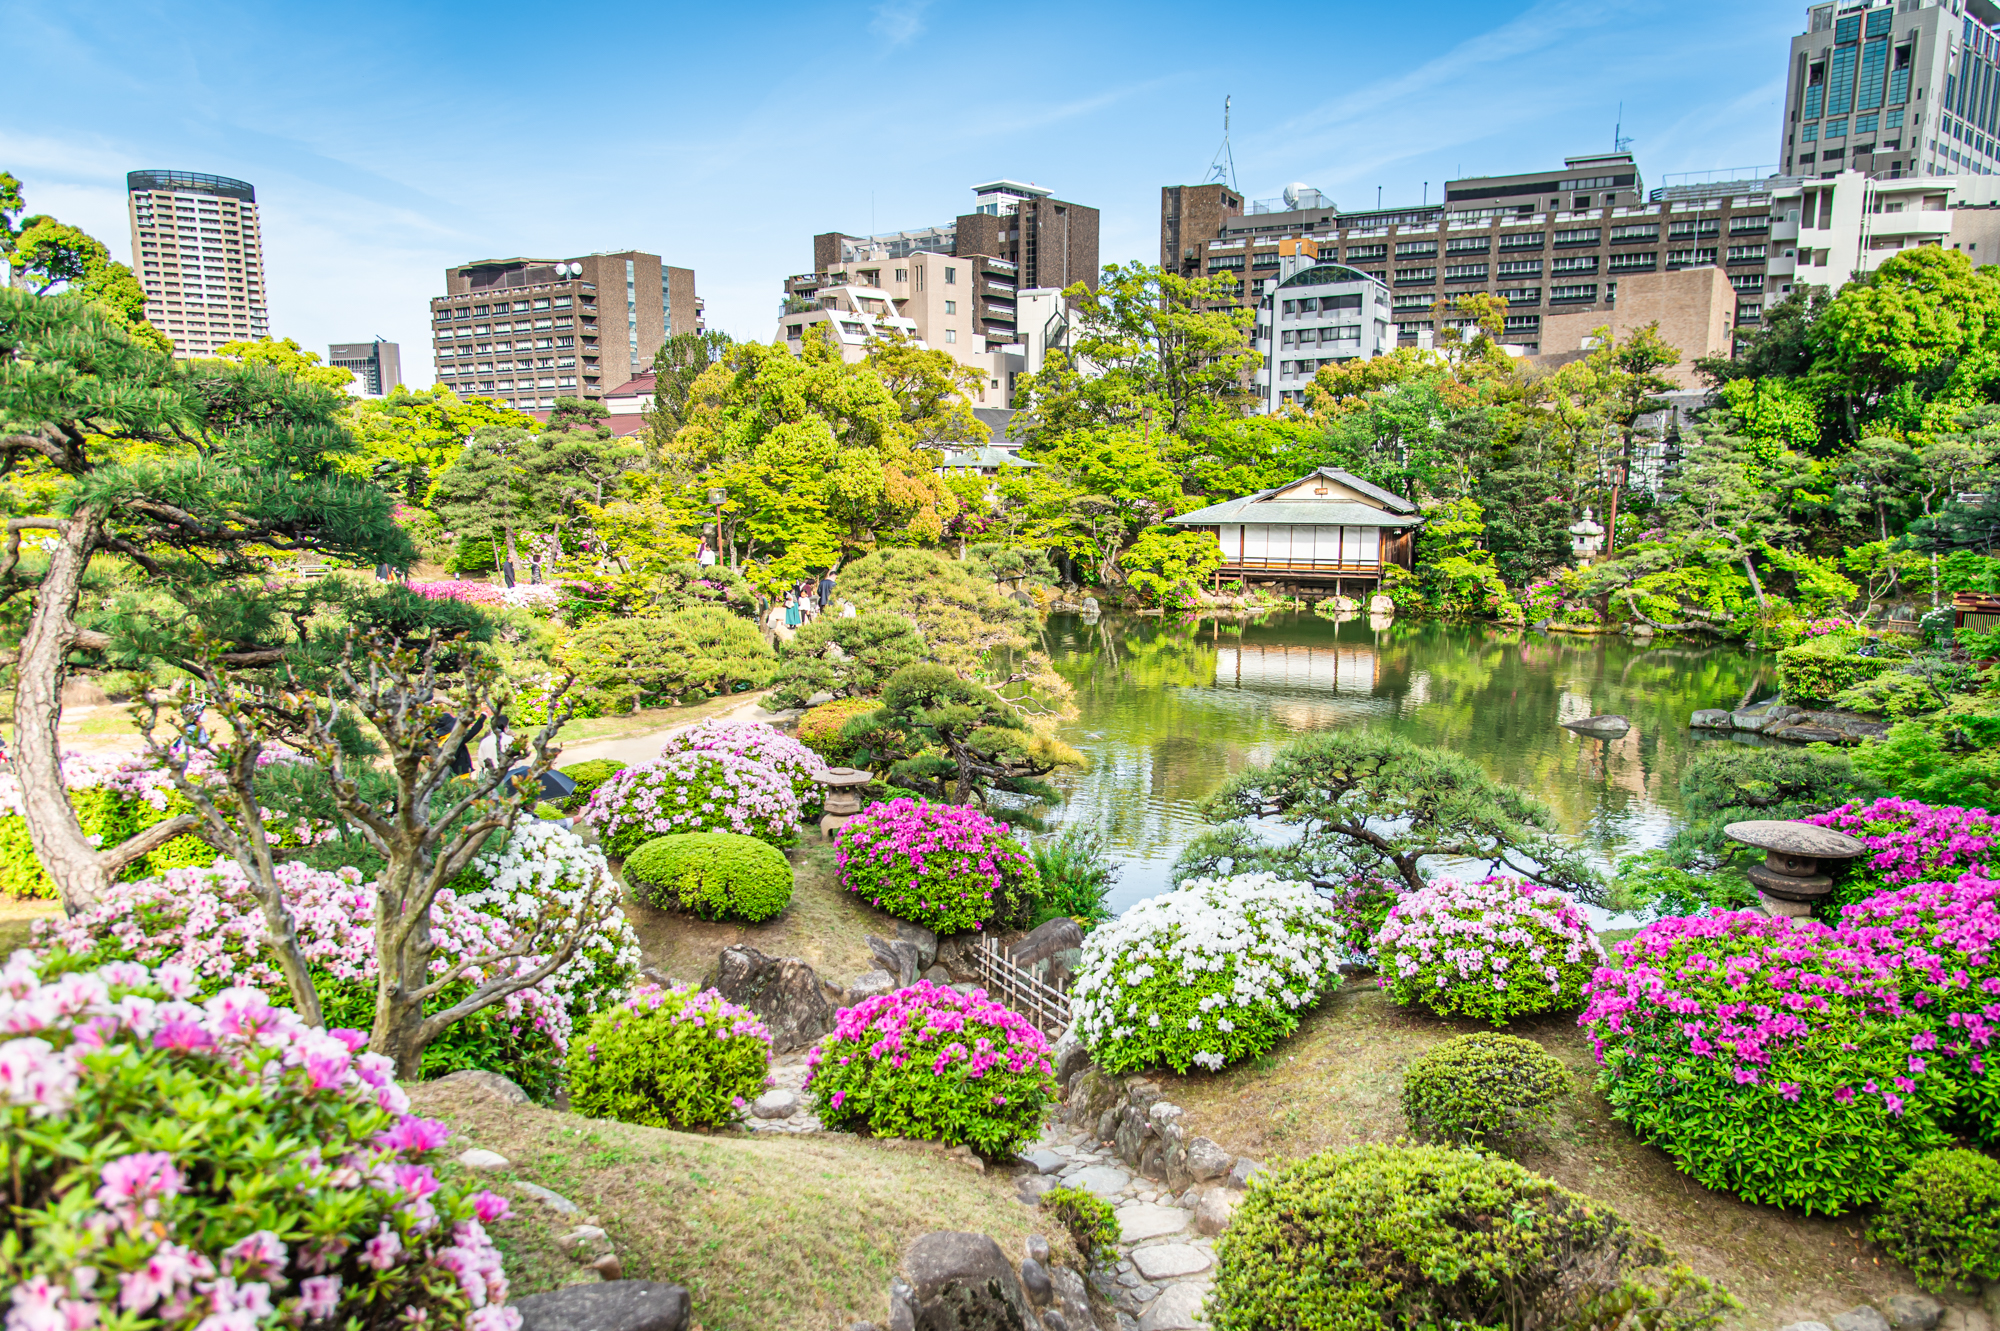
x=1338, y=1082
x=588, y=730
x=824, y=926
x=801, y=1233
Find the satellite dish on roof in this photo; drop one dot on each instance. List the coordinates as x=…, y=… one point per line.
x=1296, y=191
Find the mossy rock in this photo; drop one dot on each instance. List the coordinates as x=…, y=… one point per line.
x=713, y=875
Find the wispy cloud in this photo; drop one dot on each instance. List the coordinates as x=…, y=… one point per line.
x=898, y=21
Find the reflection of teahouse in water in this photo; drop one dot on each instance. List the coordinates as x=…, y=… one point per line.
x=1330, y=669
x=1325, y=529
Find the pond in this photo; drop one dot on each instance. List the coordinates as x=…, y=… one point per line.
x=1168, y=709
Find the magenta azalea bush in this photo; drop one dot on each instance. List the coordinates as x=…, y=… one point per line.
x=760, y=744
x=214, y=1166
x=947, y=867
x=1802, y=1064
x=703, y=790
x=670, y=1058
x=1910, y=842
x=209, y=922
x=931, y=1063
x=1495, y=949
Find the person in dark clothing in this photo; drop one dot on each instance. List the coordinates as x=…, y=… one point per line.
x=461, y=757
x=507, y=571
x=826, y=589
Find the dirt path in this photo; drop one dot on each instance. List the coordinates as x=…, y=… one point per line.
x=637, y=749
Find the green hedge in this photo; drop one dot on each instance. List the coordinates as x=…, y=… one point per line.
x=713, y=875
x=1943, y=1221
x=112, y=818
x=1811, y=673
x=588, y=777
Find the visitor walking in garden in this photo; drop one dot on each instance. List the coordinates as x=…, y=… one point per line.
x=791, y=610
x=826, y=589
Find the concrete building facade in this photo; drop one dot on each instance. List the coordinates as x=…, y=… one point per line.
x=377, y=366
x=527, y=331
x=1318, y=314
x=1695, y=309
x=198, y=251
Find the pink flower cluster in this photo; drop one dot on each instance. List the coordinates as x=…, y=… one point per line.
x=1915, y=841
x=1493, y=933
x=928, y=1022
x=697, y=790
x=538, y=594
x=706, y=1010
x=941, y=865
x=137, y=1255
x=760, y=744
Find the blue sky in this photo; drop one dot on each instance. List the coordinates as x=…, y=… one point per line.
x=387, y=142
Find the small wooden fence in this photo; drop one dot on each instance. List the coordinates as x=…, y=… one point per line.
x=1043, y=1004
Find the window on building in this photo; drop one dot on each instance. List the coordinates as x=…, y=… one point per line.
x=902, y=274
x=951, y=307
x=950, y=276
x=951, y=334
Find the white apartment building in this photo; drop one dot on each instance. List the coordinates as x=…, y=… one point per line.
x=1826, y=232
x=198, y=252
x=1316, y=314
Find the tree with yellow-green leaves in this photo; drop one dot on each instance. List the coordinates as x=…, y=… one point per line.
x=287, y=357
x=410, y=437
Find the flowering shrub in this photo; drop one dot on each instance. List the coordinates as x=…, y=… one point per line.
x=931, y=1063
x=1205, y=976
x=536, y=595
x=1092, y=1224
x=1911, y=842
x=1800, y=1064
x=947, y=867
x=670, y=1058
x=209, y=921
x=1486, y=1084
x=1495, y=949
x=702, y=791
x=714, y=875
x=221, y=1166
x=760, y=744
x=1942, y=1220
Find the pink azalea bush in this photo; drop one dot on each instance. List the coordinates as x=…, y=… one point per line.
x=208, y=922
x=670, y=1058
x=1495, y=949
x=947, y=867
x=931, y=1063
x=221, y=1165
x=1803, y=1064
x=760, y=744
x=696, y=791
x=1910, y=842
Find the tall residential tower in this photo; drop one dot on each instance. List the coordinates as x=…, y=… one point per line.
x=197, y=251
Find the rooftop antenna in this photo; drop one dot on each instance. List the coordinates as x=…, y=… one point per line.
x=1223, y=168
x=1619, y=143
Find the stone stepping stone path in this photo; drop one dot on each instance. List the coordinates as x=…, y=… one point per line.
x=784, y=1107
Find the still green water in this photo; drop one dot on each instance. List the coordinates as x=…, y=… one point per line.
x=1170, y=708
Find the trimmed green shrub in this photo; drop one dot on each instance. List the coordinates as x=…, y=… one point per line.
x=1483, y=1085
x=670, y=1058
x=111, y=815
x=931, y=1063
x=1496, y=949
x=819, y=729
x=872, y=647
x=1383, y=1237
x=625, y=664
x=588, y=777
x=712, y=875
x=1092, y=1224
x=1942, y=1220
x=1819, y=670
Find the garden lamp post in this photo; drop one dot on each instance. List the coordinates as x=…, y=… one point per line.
x=1798, y=858
x=718, y=496
x=1586, y=537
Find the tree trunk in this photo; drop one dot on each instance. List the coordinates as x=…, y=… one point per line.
x=400, y=971
x=1755, y=586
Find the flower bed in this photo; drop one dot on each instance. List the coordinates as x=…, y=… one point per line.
x=1912, y=842
x=1800, y=1064
x=209, y=921
x=1495, y=949
x=931, y=1063
x=703, y=791
x=153, y=1196
x=947, y=867
x=1205, y=976
x=760, y=744
x=670, y=1058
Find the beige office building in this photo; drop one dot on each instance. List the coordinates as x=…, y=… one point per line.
x=198, y=252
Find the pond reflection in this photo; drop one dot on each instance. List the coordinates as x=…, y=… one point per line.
x=1169, y=709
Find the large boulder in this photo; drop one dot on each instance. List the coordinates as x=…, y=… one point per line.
x=611, y=1305
x=1600, y=727
x=899, y=957
x=781, y=990
x=959, y=1282
x=503, y=1089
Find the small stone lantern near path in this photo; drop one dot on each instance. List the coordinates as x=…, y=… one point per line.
x=843, y=796
x=1797, y=860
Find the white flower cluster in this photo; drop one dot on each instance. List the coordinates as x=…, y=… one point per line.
x=1245, y=943
x=545, y=862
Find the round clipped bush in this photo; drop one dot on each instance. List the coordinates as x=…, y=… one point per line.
x=931, y=1063
x=819, y=728
x=1942, y=1220
x=670, y=1058
x=1482, y=1085
x=1092, y=1224
x=713, y=875
x=588, y=777
x=760, y=744
x=705, y=791
x=152, y=1195
x=1493, y=950
x=947, y=867
x=1205, y=976
x=1380, y=1237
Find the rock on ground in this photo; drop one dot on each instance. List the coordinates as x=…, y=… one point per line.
x=1166, y=1261
x=477, y=1158
x=775, y=1104
x=501, y=1088
x=1176, y=1308
x=555, y=1201
x=1913, y=1312
x=783, y=991
x=1863, y=1318
x=962, y=1282
x=1148, y=1221
x=1104, y=1180
x=614, y=1305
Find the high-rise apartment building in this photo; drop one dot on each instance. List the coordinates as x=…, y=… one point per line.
x=198, y=252
x=377, y=366
x=528, y=331
x=1894, y=88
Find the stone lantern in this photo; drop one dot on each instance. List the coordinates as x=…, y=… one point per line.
x=1797, y=859
x=843, y=796
x=1586, y=537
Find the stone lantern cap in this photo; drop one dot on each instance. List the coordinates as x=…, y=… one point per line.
x=840, y=777
x=1796, y=840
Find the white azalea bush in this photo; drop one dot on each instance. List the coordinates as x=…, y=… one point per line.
x=1495, y=949
x=1206, y=976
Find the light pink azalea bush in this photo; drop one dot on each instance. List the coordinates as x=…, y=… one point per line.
x=760, y=744
x=931, y=1063
x=947, y=867
x=703, y=790
x=220, y=1166
x=1495, y=949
